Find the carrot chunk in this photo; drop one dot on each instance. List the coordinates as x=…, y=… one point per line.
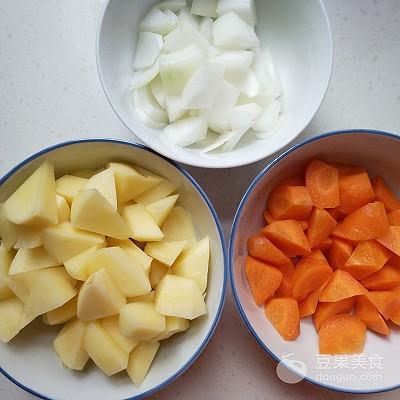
x=341, y=286
x=268, y=217
x=283, y=313
x=391, y=239
x=367, y=312
x=311, y=272
x=326, y=310
x=309, y=304
x=368, y=257
x=387, y=302
x=339, y=253
x=385, y=279
x=288, y=236
x=325, y=245
x=336, y=213
x=320, y=226
x=342, y=334
x=384, y=194
x=285, y=288
x=366, y=223
x=261, y=248
x=394, y=218
x=263, y=279
x=395, y=318
x=322, y=181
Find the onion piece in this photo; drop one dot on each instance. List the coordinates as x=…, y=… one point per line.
x=205, y=8
x=150, y=105
x=186, y=131
x=246, y=82
x=205, y=28
x=142, y=114
x=144, y=76
x=218, y=142
x=244, y=115
x=174, y=108
x=157, y=21
x=235, y=60
x=186, y=16
x=173, y=5
x=244, y=8
x=230, y=31
x=158, y=91
x=268, y=118
x=148, y=49
x=234, y=140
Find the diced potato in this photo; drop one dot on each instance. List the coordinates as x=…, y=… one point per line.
x=86, y=173
x=130, y=183
x=141, y=321
x=5, y=291
x=173, y=325
x=146, y=298
x=92, y=212
x=51, y=288
x=193, y=263
x=99, y=297
x=28, y=237
x=111, y=325
x=162, y=190
x=77, y=265
x=33, y=207
x=141, y=225
x=68, y=186
x=69, y=345
x=63, y=241
x=165, y=252
x=179, y=226
x=179, y=297
x=104, y=182
x=63, y=210
x=27, y=260
x=102, y=349
x=61, y=314
x=6, y=257
x=128, y=275
x=157, y=271
x=21, y=284
x=160, y=209
x=140, y=361
x=8, y=230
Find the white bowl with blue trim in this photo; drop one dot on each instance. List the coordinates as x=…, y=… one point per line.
x=30, y=361
x=376, y=369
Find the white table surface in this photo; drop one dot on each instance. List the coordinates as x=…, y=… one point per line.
x=50, y=92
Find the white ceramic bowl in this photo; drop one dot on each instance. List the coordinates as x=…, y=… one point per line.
x=30, y=361
x=299, y=35
x=379, y=153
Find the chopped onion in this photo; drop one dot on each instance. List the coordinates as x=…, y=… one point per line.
x=174, y=108
x=205, y=28
x=145, y=76
x=186, y=16
x=234, y=140
x=268, y=118
x=244, y=8
x=205, y=8
x=235, y=60
x=219, y=141
x=157, y=21
x=247, y=83
x=231, y=32
x=142, y=114
x=148, y=49
x=158, y=91
x=150, y=105
x=243, y=116
x=173, y=5
x=186, y=131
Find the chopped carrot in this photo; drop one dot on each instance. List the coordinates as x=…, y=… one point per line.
x=311, y=272
x=355, y=190
x=288, y=236
x=368, y=222
x=387, y=302
x=263, y=279
x=368, y=257
x=290, y=202
x=391, y=239
x=342, y=334
x=308, y=305
x=268, y=217
x=339, y=253
x=395, y=261
x=395, y=318
x=326, y=310
x=325, y=245
x=285, y=288
x=261, y=248
x=341, y=286
x=322, y=181
x=336, y=213
x=394, y=218
x=304, y=225
x=320, y=226
x=367, y=312
x=386, y=278
x=283, y=312
x=384, y=194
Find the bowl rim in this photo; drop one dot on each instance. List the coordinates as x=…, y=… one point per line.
x=215, y=217
x=231, y=162
x=236, y=219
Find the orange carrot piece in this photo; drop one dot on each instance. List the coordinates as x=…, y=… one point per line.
x=386, y=278
x=263, y=279
x=322, y=181
x=342, y=334
x=336, y=213
x=355, y=190
x=339, y=253
x=391, y=239
x=395, y=318
x=311, y=272
x=367, y=312
x=341, y=286
x=283, y=313
x=387, y=302
x=290, y=202
x=320, y=226
x=285, y=288
x=394, y=218
x=395, y=261
x=366, y=223
x=304, y=225
x=325, y=245
x=326, y=310
x=384, y=194
x=268, y=217
x=288, y=236
x=368, y=257
x=308, y=305
x=261, y=248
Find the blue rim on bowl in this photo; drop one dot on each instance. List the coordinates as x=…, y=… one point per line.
x=220, y=231
x=231, y=250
